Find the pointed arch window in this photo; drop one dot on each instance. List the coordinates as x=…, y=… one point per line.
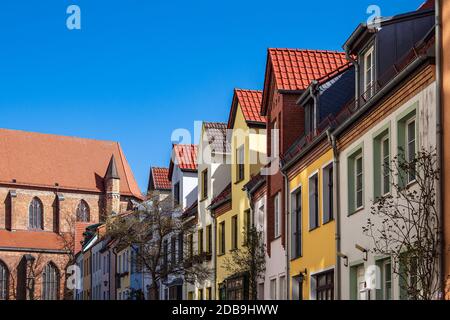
x=50, y=282
x=4, y=277
x=36, y=214
x=83, y=214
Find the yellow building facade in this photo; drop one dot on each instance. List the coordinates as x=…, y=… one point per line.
x=248, y=152
x=313, y=252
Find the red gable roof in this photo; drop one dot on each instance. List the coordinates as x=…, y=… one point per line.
x=35, y=240
x=42, y=160
x=160, y=178
x=185, y=157
x=295, y=69
x=250, y=103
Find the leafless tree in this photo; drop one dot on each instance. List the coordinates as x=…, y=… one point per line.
x=405, y=224
x=250, y=259
x=148, y=231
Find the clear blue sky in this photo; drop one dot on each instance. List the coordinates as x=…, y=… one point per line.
x=140, y=68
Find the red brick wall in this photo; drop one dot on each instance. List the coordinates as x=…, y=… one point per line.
x=290, y=119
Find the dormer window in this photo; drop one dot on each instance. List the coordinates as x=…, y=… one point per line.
x=369, y=73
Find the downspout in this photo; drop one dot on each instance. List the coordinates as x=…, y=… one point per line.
x=336, y=204
x=286, y=232
x=439, y=145
x=214, y=253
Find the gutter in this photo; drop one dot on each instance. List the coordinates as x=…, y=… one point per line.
x=54, y=251
x=439, y=143
x=336, y=204
x=380, y=94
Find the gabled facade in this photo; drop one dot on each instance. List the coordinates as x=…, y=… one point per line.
x=309, y=167
x=394, y=114
x=183, y=178
x=214, y=175
x=248, y=154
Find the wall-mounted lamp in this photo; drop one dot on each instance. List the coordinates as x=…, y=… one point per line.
x=363, y=250
x=343, y=256
x=302, y=275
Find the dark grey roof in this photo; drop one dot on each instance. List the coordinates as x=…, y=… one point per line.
x=216, y=133
x=111, y=172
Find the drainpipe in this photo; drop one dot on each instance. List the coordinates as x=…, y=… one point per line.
x=214, y=254
x=439, y=145
x=286, y=232
x=336, y=204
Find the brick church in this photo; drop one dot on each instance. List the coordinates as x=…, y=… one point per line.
x=51, y=188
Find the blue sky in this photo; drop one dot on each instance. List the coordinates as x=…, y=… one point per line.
x=138, y=69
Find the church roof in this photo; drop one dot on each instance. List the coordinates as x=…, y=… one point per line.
x=48, y=161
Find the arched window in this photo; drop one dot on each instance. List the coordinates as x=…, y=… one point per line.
x=36, y=216
x=50, y=282
x=4, y=277
x=83, y=212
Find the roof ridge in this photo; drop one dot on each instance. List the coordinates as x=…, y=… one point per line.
x=250, y=90
x=57, y=135
x=307, y=50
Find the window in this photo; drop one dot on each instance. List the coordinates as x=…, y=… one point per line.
x=327, y=193
x=273, y=289
x=385, y=292
x=248, y=225
x=381, y=153
x=355, y=181
x=191, y=245
x=411, y=147
x=310, y=118
x=234, y=232
x=165, y=254
x=296, y=223
x=358, y=285
x=282, y=294
x=4, y=277
x=277, y=217
x=50, y=283
x=208, y=293
x=222, y=238
x=209, y=239
x=200, y=294
x=325, y=286
x=369, y=73
x=180, y=247
x=176, y=194
x=359, y=182
x=83, y=214
x=236, y=288
x=240, y=163
x=314, y=201
x=275, y=145
x=261, y=291
x=200, y=241
x=173, y=250
x=204, y=184
x=36, y=216
x=191, y=295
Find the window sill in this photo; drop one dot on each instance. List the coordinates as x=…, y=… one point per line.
x=327, y=222
x=239, y=181
x=355, y=211
x=220, y=254
x=203, y=199
x=315, y=228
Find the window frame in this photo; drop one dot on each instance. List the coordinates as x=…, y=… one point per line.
x=222, y=235
x=297, y=232
x=50, y=282
x=240, y=167
x=314, y=176
x=408, y=157
x=36, y=219
x=370, y=51
x=4, y=281
x=204, y=181
x=277, y=216
x=234, y=232
x=176, y=194
x=328, y=192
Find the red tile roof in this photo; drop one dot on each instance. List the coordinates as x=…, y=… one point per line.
x=36, y=240
x=250, y=103
x=185, y=157
x=160, y=178
x=295, y=69
x=223, y=196
x=42, y=160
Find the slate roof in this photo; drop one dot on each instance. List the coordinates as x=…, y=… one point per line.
x=216, y=133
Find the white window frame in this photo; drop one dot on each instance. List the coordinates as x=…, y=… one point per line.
x=355, y=174
x=385, y=158
x=316, y=172
x=367, y=84
x=407, y=150
x=384, y=284
x=324, y=168
x=273, y=291
x=277, y=215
